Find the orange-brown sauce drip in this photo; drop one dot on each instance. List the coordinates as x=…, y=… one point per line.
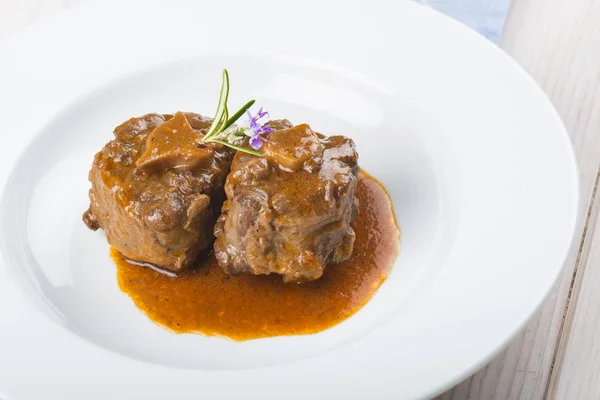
x=208, y=301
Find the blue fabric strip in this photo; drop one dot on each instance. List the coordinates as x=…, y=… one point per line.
x=485, y=16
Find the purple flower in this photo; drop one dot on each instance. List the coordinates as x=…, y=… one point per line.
x=262, y=113
x=256, y=129
x=257, y=141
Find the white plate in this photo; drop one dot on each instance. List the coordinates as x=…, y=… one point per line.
x=477, y=162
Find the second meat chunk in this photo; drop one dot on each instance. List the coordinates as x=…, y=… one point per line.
x=289, y=212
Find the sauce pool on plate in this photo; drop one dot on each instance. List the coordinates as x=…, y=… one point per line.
x=208, y=301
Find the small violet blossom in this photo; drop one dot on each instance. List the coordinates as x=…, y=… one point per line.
x=256, y=129
x=251, y=128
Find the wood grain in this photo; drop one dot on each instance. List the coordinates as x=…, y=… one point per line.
x=556, y=41
x=576, y=372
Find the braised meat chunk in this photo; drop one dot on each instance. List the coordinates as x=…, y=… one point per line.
x=156, y=192
x=289, y=212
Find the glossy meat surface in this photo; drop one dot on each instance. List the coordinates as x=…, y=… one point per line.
x=155, y=192
x=289, y=212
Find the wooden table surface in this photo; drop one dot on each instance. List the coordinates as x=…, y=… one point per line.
x=556, y=355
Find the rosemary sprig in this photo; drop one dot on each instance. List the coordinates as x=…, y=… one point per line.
x=239, y=148
x=217, y=131
x=238, y=114
x=221, y=107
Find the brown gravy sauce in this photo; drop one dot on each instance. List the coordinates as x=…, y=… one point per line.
x=206, y=300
